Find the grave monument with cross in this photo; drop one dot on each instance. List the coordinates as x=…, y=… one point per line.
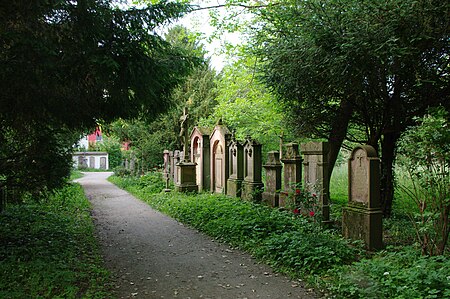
x=186, y=178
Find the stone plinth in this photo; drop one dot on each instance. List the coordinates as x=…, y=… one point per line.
x=252, y=185
x=186, y=177
x=272, y=189
x=292, y=169
x=362, y=218
x=236, y=168
x=315, y=174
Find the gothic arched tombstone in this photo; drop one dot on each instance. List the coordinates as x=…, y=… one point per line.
x=219, y=141
x=200, y=154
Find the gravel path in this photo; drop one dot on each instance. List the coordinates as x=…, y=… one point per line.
x=153, y=256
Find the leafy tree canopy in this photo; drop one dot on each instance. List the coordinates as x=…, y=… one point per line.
x=66, y=65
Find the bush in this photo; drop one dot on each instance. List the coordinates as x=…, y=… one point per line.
x=425, y=156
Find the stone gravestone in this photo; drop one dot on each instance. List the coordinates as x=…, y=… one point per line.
x=185, y=169
x=252, y=185
x=236, y=167
x=166, y=155
x=176, y=160
x=362, y=218
x=271, y=194
x=200, y=154
x=219, y=140
x=171, y=165
x=315, y=173
x=292, y=170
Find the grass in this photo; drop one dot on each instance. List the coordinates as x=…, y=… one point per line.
x=48, y=249
x=293, y=245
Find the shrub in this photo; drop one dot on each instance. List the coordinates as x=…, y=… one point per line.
x=425, y=155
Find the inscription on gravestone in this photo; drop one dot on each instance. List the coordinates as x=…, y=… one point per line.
x=359, y=191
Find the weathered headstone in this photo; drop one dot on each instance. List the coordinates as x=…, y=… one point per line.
x=171, y=165
x=200, y=154
x=166, y=174
x=362, y=218
x=176, y=160
x=292, y=169
x=185, y=169
x=252, y=185
x=219, y=140
x=315, y=172
x=271, y=194
x=236, y=166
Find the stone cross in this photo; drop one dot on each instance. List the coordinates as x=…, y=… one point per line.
x=184, y=133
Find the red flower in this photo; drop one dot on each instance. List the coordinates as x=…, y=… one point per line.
x=311, y=213
x=296, y=211
x=314, y=195
x=297, y=191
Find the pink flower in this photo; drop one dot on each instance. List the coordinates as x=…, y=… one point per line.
x=311, y=213
x=296, y=211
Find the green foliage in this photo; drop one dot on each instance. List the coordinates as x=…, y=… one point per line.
x=247, y=107
x=397, y=273
x=49, y=251
x=425, y=156
x=114, y=149
x=67, y=65
x=197, y=92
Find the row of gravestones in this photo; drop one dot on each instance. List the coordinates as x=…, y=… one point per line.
x=221, y=164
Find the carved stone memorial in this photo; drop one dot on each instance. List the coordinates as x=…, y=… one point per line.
x=185, y=169
x=236, y=168
x=362, y=218
x=292, y=170
x=315, y=173
x=252, y=185
x=200, y=154
x=271, y=194
x=219, y=140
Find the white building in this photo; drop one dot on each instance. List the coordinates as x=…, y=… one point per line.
x=96, y=160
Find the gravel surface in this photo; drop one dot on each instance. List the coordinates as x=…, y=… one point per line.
x=153, y=256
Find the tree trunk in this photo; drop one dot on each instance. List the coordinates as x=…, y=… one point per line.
x=338, y=134
x=388, y=146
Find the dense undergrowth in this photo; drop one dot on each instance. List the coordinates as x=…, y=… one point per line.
x=293, y=245
x=48, y=249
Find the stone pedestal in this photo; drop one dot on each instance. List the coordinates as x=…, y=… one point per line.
x=236, y=168
x=362, y=218
x=292, y=169
x=252, y=185
x=271, y=194
x=186, y=177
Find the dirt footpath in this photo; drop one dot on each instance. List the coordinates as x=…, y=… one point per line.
x=153, y=256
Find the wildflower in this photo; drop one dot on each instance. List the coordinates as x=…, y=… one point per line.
x=386, y=273
x=297, y=191
x=296, y=211
x=311, y=213
x=314, y=195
